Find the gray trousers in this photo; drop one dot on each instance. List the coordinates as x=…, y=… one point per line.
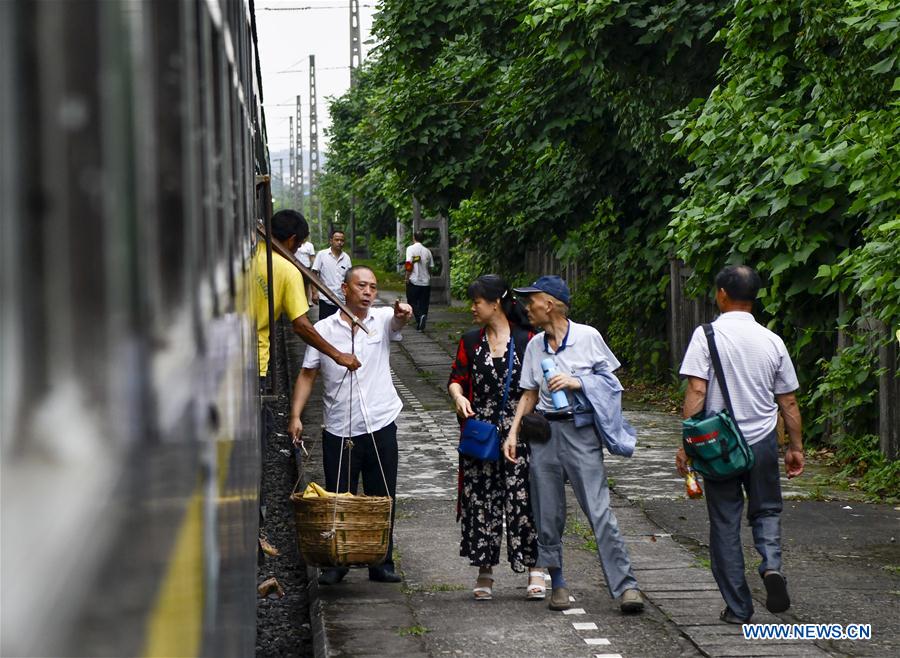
x=576, y=453
x=725, y=503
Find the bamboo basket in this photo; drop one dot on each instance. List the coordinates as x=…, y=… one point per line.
x=361, y=525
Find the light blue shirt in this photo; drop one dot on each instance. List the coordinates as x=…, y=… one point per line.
x=584, y=349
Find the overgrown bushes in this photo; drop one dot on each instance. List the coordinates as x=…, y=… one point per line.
x=622, y=133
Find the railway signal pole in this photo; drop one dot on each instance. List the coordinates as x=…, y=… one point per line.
x=298, y=158
x=315, y=207
x=291, y=165
x=355, y=62
x=281, y=195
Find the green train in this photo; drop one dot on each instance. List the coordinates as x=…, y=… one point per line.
x=132, y=139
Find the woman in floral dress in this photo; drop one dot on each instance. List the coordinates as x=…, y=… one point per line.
x=491, y=491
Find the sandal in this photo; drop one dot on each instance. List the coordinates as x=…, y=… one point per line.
x=480, y=592
x=535, y=592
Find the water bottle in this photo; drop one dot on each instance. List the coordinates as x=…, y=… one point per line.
x=560, y=401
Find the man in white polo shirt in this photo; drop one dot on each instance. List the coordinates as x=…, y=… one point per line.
x=761, y=380
x=306, y=254
x=331, y=265
x=573, y=452
x=419, y=262
x=357, y=404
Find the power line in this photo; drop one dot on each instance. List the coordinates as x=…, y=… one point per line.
x=289, y=104
x=307, y=8
x=304, y=69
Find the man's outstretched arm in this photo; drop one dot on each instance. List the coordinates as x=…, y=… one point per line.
x=305, y=329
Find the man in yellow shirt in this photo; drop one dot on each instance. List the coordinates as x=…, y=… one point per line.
x=288, y=292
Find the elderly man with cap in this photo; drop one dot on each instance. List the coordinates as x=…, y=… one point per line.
x=571, y=350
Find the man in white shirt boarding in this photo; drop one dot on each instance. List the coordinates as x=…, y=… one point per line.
x=419, y=262
x=360, y=409
x=306, y=254
x=331, y=265
x=573, y=452
x=761, y=380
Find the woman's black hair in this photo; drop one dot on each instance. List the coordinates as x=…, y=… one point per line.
x=493, y=288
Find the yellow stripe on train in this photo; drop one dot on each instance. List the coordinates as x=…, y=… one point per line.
x=176, y=624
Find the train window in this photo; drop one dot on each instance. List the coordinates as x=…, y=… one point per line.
x=14, y=170
x=224, y=145
x=81, y=199
x=211, y=86
x=172, y=123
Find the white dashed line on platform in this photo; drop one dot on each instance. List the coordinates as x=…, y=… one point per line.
x=596, y=641
x=574, y=611
x=584, y=626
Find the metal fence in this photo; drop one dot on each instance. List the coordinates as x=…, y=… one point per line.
x=889, y=394
x=541, y=261
x=685, y=314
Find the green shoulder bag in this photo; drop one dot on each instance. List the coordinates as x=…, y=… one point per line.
x=715, y=444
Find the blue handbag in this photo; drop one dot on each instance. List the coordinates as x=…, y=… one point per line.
x=480, y=439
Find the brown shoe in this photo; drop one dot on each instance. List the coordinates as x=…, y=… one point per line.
x=631, y=601
x=559, y=599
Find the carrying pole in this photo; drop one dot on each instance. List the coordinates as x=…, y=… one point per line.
x=310, y=276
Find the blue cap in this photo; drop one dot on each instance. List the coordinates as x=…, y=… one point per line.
x=551, y=284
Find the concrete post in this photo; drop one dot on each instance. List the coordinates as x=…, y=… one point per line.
x=440, y=281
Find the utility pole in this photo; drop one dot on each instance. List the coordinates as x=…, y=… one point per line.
x=355, y=63
x=315, y=207
x=355, y=53
x=298, y=157
x=281, y=197
x=291, y=165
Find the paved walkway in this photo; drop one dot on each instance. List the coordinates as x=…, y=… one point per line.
x=432, y=613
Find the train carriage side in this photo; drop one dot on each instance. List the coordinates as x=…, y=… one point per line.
x=129, y=480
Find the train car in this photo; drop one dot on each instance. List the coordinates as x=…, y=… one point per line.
x=132, y=135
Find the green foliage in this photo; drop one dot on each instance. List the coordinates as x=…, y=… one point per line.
x=520, y=119
x=583, y=530
x=385, y=253
x=630, y=308
x=388, y=279
x=846, y=390
x=465, y=266
x=353, y=178
x=878, y=478
x=796, y=170
x=620, y=133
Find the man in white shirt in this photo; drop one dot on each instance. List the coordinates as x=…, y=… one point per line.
x=761, y=380
x=573, y=452
x=360, y=407
x=306, y=254
x=331, y=264
x=419, y=262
